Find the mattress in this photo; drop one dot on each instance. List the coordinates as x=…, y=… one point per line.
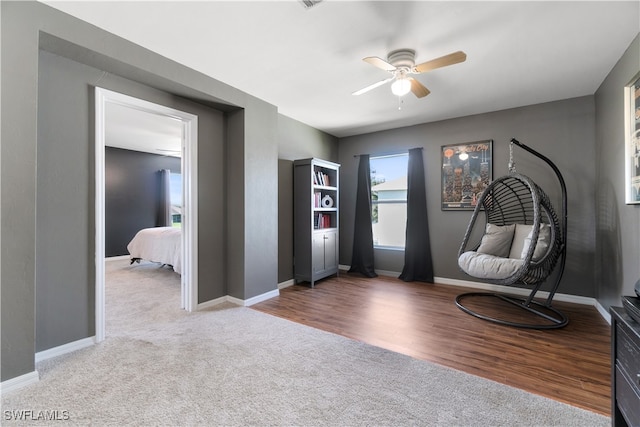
x=158, y=244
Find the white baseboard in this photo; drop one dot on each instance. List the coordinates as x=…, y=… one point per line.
x=19, y=382
x=603, y=312
x=236, y=301
x=286, y=284
x=64, y=349
x=254, y=300
x=212, y=303
x=259, y=298
x=241, y=302
x=117, y=258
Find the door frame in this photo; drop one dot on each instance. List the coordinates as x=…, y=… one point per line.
x=189, y=162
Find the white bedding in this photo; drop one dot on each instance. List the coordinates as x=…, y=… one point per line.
x=158, y=244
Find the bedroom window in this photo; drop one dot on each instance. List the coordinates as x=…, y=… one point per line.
x=176, y=199
x=389, y=200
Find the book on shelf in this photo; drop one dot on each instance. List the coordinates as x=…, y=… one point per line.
x=321, y=178
x=322, y=221
x=317, y=197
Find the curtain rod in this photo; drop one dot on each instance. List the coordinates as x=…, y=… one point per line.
x=388, y=153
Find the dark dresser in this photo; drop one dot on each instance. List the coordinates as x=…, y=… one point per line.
x=625, y=369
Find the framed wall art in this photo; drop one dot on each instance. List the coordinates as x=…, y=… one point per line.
x=467, y=169
x=632, y=141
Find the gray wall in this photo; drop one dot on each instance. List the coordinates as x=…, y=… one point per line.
x=295, y=141
x=618, y=224
x=235, y=186
x=563, y=131
x=260, y=194
x=131, y=194
x=27, y=28
x=65, y=191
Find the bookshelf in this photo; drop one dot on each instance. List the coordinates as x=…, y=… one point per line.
x=316, y=219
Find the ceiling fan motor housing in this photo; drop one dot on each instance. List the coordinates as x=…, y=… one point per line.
x=402, y=58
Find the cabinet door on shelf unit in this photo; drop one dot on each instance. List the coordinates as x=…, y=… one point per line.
x=317, y=258
x=325, y=251
x=331, y=250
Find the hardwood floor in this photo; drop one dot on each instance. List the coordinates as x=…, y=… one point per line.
x=421, y=320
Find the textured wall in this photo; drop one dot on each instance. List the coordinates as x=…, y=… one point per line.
x=618, y=224
x=18, y=134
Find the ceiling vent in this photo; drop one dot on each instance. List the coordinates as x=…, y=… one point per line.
x=308, y=4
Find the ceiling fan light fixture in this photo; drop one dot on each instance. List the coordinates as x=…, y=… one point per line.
x=401, y=87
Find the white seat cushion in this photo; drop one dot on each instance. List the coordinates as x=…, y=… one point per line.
x=484, y=266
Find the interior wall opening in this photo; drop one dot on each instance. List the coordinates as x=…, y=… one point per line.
x=124, y=122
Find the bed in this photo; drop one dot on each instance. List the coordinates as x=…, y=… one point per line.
x=158, y=244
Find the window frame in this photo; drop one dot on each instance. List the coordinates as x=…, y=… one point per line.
x=375, y=203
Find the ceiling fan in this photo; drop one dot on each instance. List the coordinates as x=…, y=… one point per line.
x=401, y=64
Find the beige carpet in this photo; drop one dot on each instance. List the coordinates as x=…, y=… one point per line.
x=235, y=366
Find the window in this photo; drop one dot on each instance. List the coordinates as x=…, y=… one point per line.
x=389, y=200
x=176, y=199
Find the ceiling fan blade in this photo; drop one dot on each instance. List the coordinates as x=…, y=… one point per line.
x=419, y=89
x=380, y=63
x=373, y=86
x=443, y=61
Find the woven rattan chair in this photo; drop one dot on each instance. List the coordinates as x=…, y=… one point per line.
x=516, y=199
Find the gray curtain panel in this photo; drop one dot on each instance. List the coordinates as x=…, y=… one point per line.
x=164, y=201
x=417, y=253
x=362, y=254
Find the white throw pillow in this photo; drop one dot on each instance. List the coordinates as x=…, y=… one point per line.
x=519, y=236
x=544, y=239
x=497, y=240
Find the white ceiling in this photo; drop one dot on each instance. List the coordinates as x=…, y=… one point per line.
x=133, y=129
x=307, y=62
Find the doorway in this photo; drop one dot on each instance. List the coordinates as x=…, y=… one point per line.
x=189, y=248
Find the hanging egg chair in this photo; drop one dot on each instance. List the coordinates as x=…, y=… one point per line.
x=519, y=243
